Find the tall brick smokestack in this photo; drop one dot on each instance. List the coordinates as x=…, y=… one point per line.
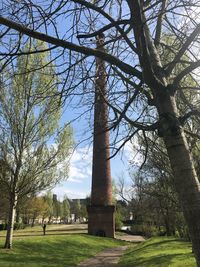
x=101, y=210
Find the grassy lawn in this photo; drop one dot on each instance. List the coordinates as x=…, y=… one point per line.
x=60, y=248
x=54, y=250
x=50, y=230
x=159, y=252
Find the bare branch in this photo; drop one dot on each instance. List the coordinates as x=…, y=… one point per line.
x=68, y=45
x=186, y=71
x=190, y=39
x=159, y=23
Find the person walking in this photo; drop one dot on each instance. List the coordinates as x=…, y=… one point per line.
x=44, y=228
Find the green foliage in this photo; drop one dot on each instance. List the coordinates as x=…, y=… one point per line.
x=160, y=252
x=76, y=208
x=32, y=144
x=83, y=212
x=181, y=226
x=120, y=214
x=118, y=220
x=18, y=226
x=66, y=208
x=33, y=147
x=145, y=229
x=49, y=200
x=3, y=226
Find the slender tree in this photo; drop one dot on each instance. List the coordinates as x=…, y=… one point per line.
x=49, y=200
x=36, y=206
x=33, y=148
x=66, y=209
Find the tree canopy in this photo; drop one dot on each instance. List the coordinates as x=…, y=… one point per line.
x=34, y=149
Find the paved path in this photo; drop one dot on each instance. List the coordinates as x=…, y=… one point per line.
x=110, y=257
x=107, y=258
x=131, y=238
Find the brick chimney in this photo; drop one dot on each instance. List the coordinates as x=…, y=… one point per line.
x=101, y=210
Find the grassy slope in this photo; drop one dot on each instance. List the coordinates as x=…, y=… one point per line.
x=159, y=252
x=53, y=251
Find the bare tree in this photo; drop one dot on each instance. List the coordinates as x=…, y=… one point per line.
x=143, y=88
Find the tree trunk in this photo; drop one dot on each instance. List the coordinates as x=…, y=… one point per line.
x=49, y=220
x=185, y=177
x=167, y=227
x=187, y=186
x=10, y=225
x=33, y=222
x=17, y=215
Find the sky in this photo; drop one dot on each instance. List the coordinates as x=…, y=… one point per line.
x=78, y=184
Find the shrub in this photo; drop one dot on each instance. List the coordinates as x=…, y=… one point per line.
x=18, y=226
x=3, y=226
x=118, y=221
x=144, y=229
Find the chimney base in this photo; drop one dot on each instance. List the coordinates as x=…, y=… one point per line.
x=101, y=220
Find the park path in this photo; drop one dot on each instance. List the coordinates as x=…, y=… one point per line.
x=107, y=258
x=111, y=256
x=131, y=238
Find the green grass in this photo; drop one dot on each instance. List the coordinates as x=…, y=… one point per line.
x=50, y=230
x=60, y=248
x=53, y=251
x=159, y=252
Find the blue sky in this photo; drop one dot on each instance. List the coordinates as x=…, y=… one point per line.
x=78, y=185
x=79, y=182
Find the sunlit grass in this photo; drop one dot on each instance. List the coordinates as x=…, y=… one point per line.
x=50, y=230
x=160, y=252
x=53, y=251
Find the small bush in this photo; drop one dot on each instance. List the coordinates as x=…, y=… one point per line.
x=181, y=227
x=118, y=221
x=144, y=229
x=3, y=226
x=18, y=226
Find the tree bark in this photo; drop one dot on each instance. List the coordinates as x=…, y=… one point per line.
x=185, y=178
x=187, y=186
x=11, y=218
x=17, y=215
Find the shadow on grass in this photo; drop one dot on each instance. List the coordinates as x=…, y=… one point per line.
x=159, y=244
x=45, y=253
x=160, y=261
x=159, y=252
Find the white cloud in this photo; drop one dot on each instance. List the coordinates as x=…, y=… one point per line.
x=129, y=153
x=80, y=165
x=61, y=191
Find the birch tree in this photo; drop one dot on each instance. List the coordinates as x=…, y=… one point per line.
x=34, y=149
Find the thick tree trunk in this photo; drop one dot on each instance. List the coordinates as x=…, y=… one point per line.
x=185, y=177
x=10, y=226
x=187, y=186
